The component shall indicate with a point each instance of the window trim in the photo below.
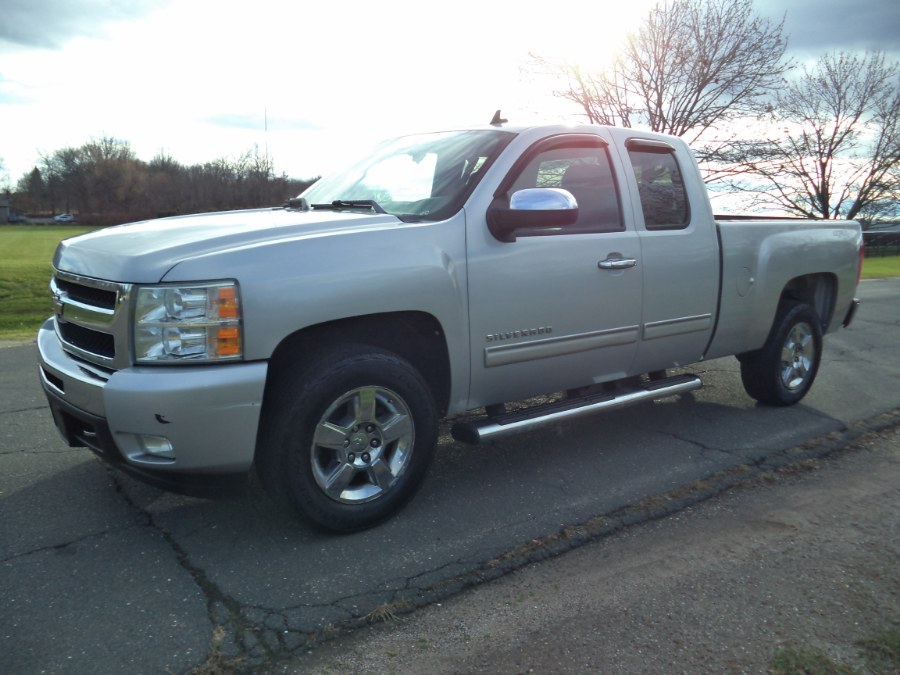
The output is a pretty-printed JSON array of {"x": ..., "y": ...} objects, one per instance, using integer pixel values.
[
  {"x": 649, "y": 145},
  {"x": 557, "y": 142},
  {"x": 657, "y": 147},
  {"x": 550, "y": 143}
]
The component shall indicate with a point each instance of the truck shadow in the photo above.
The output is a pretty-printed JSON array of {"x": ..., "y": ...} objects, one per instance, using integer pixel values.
[{"x": 561, "y": 474}]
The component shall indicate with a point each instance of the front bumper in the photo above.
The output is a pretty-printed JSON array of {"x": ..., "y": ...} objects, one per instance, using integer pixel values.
[{"x": 208, "y": 415}]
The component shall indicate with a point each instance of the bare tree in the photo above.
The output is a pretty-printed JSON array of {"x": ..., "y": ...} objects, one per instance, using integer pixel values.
[
  {"x": 691, "y": 67},
  {"x": 834, "y": 141}
]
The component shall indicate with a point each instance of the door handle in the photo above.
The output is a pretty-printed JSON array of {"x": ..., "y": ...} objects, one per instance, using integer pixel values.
[{"x": 616, "y": 263}]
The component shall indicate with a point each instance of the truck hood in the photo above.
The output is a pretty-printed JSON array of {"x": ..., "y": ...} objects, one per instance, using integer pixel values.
[{"x": 144, "y": 252}]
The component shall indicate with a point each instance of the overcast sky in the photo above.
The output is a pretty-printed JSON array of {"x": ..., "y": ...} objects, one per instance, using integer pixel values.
[{"x": 203, "y": 79}]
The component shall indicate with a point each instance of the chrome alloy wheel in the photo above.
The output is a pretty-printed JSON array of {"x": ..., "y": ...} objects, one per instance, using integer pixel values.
[
  {"x": 798, "y": 356},
  {"x": 362, "y": 445}
]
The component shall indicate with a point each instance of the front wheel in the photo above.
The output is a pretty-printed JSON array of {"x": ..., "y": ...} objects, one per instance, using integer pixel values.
[
  {"x": 348, "y": 440},
  {"x": 783, "y": 370}
]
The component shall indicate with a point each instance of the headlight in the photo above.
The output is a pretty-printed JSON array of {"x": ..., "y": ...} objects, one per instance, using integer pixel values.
[{"x": 193, "y": 323}]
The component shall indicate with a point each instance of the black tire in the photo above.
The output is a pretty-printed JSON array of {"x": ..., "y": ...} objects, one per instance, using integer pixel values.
[
  {"x": 347, "y": 439},
  {"x": 783, "y": 370}
]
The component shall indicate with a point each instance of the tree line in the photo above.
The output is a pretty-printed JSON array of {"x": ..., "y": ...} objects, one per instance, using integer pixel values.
[{"x": 105, "y": 183}]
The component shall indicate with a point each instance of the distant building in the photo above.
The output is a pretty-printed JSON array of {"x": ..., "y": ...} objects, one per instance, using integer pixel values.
[{"x": 4, "y": 209}]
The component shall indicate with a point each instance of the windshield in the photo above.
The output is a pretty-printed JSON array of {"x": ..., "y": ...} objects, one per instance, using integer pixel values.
[{"x": 421, "y": 177}]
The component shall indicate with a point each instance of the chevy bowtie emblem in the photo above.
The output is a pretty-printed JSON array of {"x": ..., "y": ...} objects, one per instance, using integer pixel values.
[{"x": 58, "y": 303}]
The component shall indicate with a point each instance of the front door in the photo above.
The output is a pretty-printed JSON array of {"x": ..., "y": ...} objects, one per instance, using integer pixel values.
[{"x": 558, "y": 307}]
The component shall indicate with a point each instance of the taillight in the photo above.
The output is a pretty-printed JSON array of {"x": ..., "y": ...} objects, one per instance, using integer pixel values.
[{"x": 862, "y": 255}]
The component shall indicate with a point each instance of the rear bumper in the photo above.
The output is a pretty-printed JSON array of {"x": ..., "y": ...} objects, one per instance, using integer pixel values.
[{"x": 207, "y": 415}]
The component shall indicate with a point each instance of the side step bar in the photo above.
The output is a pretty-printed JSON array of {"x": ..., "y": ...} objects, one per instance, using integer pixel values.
[{"x": 489, "y": 428}]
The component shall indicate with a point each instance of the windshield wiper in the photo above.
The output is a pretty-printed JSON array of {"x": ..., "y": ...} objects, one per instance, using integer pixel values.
[{"x": 339, "y": 204}]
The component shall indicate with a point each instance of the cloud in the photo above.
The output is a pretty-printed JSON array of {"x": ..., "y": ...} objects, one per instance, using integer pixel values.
[
  {"x": 50, "y": 24},
  {"x": 815, "y": 28}
]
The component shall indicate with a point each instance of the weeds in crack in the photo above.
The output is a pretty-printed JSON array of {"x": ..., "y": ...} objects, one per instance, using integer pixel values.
[
  {"x": 216, "y": 663},
  {"x": 386, "y": 613},
  {"x": 519, "y": 551}
]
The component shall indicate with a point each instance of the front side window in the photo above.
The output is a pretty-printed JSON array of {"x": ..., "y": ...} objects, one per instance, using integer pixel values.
[
  {"x": 661, "y": 188},
  {"x": 421, "y": 177},
  {"x": 586, "y": 173}
]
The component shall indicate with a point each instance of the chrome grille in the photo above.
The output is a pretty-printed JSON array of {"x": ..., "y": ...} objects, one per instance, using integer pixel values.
[
  {"x": 91, "y": 318},
  {"x": 97, "y": 297},
  {"x": 93, "y": 341}
]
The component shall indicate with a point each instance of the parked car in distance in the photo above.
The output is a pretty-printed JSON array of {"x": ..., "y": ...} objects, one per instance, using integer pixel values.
[{"x": 64, "y": 218}]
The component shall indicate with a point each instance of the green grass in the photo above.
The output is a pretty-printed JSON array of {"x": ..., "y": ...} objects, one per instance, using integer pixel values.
[
  {"x": 880, "y": 268},
  {"x": 26, "y": 252},
  {"x": 880, "y": 654},
  {"x": 882, "y": 651},
  {"x": 806, "y": 661}
]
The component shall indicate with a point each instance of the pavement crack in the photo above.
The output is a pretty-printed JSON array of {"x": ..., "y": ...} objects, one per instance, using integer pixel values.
[
  {"x": 68, "y": 547},
  {"x": 17, "y": 411},
  {"x": 690, "y": 441},
  {"x": 235, "y": 637},
  {"x": 34, "y": 451}
]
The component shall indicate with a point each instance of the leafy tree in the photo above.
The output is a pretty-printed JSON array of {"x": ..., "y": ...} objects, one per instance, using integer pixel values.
[
  {"x": 31, "y": 191},
  {"x": 833, "y": 148}
]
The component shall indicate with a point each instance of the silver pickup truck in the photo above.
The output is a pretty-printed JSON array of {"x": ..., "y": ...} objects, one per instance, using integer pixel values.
[{"x": 467, "y": 270}]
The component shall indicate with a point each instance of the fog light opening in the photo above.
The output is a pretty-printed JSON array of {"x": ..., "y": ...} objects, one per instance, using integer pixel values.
[{"x": 158, "y": 446}]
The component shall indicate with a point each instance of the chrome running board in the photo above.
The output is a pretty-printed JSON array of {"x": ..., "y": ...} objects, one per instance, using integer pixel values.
[{"x": 489, "y": 428}]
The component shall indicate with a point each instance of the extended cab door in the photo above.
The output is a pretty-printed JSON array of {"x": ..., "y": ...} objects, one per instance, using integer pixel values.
[
  {"x": 679, "y": 254},
  {"x": 559, "y": 306}
]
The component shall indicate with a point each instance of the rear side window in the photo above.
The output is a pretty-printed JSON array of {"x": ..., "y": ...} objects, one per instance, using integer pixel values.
[{"x": 661, "y": 188}]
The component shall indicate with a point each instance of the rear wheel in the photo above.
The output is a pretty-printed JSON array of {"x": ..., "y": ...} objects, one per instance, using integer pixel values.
[
  {"x": 783, "y": 370},
  {"x": 347, "y": 441}
]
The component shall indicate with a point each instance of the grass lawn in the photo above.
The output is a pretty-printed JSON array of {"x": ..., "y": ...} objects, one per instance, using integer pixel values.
[
  {"x": 880, "y": 268},
  {"x": 27, "y": 250}
]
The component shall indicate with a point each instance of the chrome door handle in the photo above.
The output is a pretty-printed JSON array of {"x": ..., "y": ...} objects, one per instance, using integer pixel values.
[{"x": 616, "y": 263}]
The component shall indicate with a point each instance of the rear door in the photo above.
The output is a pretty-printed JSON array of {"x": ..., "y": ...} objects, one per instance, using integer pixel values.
[{"x": 679, "y": 255}]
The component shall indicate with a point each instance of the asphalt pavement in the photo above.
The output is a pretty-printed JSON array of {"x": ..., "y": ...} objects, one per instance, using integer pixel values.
[
  {"x": 800, "y": 560},
  {"x": 103, "y": 574}
]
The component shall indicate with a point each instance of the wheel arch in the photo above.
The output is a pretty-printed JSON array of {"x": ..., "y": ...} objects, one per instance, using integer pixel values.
[
  {"x": 817, "y": 290},
  {"x": 417, "y": 337}
]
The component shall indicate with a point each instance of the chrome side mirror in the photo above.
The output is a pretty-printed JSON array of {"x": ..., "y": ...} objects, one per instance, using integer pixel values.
[{"x": 532, "y": 208}]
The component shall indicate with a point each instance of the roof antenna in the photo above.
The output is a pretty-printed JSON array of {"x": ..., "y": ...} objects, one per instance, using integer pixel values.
[{"x": 497, "y": 120}]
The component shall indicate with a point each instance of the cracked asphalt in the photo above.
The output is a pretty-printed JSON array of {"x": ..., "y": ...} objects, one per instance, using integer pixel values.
[{"x": 103, "y": 574}]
